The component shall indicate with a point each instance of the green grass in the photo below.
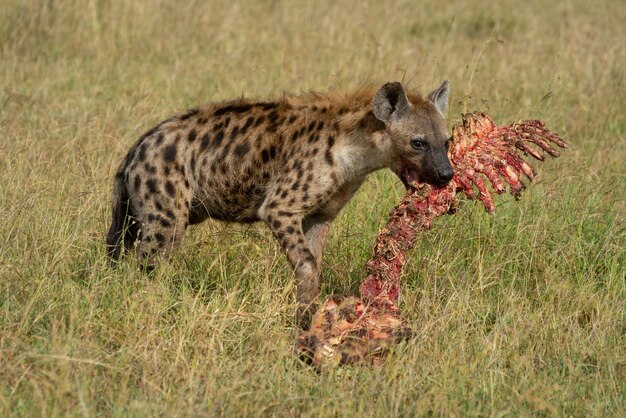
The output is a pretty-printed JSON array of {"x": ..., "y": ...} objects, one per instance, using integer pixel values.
[{"x": 521, "y": 313}]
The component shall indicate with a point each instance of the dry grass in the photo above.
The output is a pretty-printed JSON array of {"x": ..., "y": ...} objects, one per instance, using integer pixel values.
[{"x": 517, "y": 314}]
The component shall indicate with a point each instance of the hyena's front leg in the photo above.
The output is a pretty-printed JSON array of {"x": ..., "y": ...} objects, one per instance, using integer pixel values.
[
  {"x": 316, "y": 229},
  {"x": 317, "y": 225},
  {"x": 287, "y": 226}
]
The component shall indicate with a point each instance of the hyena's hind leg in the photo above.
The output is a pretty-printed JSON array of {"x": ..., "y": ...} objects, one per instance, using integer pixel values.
[{"x": 163, "y": 215}]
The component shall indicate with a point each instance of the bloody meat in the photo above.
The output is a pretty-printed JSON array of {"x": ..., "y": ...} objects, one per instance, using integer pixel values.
[{"x": 348, "y": 330}]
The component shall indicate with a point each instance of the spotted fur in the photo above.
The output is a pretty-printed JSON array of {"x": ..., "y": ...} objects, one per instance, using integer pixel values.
[{"x": 292, "y": 163}]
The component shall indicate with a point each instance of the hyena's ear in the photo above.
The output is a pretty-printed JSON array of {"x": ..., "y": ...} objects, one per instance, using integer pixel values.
[
  {"x": 390, "y": 100},
  {"x": 440, "y": 96}
]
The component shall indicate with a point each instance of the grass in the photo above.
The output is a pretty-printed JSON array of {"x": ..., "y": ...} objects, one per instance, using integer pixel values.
[{"x": 521, "y": 313}]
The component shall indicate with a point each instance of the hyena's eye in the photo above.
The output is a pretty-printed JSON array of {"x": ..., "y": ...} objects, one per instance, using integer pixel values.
[{"x": 418, "y": 144}]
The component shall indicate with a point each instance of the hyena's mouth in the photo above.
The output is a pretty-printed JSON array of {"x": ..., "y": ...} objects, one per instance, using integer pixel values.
[
  {"x": 414, "y": 177},
  {"x": 408, "y": 173},
  {"x": 410, "y": 177}
]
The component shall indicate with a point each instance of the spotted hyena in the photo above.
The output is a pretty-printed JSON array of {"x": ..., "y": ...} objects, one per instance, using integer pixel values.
[{"x": 292, "y": 163}]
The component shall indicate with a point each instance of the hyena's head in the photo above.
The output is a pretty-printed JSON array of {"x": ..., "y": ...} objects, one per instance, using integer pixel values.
[{"x": 417, "y": 132}]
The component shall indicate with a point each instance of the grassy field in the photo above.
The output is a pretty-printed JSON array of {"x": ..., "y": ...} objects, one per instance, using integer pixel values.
[{"x": 521, "y": 313}]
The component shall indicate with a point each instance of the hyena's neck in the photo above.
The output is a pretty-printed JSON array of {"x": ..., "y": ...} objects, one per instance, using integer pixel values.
[{"x": 362, "y": 145}]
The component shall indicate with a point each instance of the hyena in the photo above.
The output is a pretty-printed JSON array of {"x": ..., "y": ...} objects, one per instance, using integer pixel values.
[{"x": 292, "y": 163}]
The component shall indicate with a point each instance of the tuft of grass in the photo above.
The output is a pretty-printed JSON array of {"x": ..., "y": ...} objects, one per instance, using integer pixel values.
[{"x": 521, "y": 313}]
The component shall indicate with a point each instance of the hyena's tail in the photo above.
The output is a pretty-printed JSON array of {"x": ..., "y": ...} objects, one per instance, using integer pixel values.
[{"x": 123, "y": 232}]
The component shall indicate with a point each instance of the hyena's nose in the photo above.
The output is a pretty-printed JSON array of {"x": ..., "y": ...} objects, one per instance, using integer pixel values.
[{"x": 446, "y": 174}]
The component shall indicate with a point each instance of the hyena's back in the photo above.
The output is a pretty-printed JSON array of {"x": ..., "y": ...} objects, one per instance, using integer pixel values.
[{"x": 216, "y": 162}]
